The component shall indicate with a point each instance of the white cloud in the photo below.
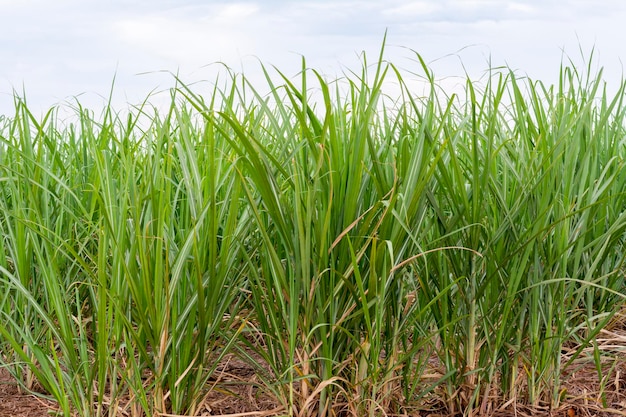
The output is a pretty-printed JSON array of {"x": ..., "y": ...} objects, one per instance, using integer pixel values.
[
  {"x": 236, "y": 11},
  {"x": 521, "y": 7},
  {"x": 193, "y": 36},
  {"x": 412, "y": 9},
  {"x": 58, "y": 49}
]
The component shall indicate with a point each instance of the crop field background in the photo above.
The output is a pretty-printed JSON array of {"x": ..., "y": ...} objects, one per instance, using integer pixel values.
[{"x": 356, "y": 253}]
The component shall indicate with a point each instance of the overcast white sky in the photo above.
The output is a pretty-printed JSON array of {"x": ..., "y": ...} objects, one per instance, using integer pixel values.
[{"x": 56, "y": 50}]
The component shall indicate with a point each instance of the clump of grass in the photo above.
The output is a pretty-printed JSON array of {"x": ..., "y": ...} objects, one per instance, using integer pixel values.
[
  {"x": 119, "y": 251},
  {"x": 373, "y": 253}
]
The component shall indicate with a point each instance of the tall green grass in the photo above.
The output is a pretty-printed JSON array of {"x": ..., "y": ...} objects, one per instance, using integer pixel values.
[
  {"x": 366, "y": 254},
  {"x": 121, "y": 246}
]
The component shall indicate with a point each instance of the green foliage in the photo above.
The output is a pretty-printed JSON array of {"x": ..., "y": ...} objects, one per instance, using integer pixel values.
[{"x": 373, "y": 254}]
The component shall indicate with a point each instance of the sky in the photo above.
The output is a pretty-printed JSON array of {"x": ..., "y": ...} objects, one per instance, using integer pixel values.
[{"x": 57, "y": 52}]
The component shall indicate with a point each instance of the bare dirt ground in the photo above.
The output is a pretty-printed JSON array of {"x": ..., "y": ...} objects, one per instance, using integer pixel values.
[
  {"x": 236, "y": 394},
  {"x": 14, "y": 403}
]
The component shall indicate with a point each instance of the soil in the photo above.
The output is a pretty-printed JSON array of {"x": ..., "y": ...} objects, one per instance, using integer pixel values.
[
  {"x": 15, "y": 403},
  {"x": 236, "y": 393}
]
